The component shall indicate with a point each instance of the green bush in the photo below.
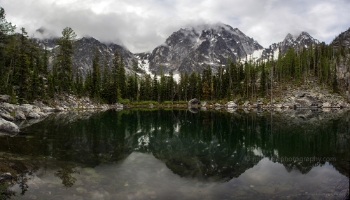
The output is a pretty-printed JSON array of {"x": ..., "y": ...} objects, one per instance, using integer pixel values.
[
  {"x": 144, "y": 103},
  {"x": 123, "y": 101}
]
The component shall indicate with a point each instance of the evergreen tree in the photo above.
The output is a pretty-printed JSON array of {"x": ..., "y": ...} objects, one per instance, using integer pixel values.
[
  {"x": 170, "y": 87},
  {"x": 23, "y": 72},
  {"x": 64, "y": 60},
  {"x": 6, "y": 35},
  {"x": 263, "y": 80},
  {"x": 155, "y": 89},
  {"x": 122, "y": 78},
  {"x": 192, "y": 86},
  {"x": 162, "y": 86},
  {"x": 132, "y": 89},
  {"x": 96, "y": 77}
]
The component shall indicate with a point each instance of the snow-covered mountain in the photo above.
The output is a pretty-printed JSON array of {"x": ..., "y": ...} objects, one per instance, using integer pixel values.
[
  {"x": 186, "y": 50},
  {"x": 304, "y": 39},
  {"x": 192, "y": 49},
  {"x": 84, "y": 52}
]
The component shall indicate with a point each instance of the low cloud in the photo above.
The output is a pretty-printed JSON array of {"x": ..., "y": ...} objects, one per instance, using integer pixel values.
[{"x": 141, "y": 25}]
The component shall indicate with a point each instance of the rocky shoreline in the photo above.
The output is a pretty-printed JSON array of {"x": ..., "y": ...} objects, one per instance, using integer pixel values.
[
  {"x": 12, "y": 114},
  {"x": 297, "y": 98}
]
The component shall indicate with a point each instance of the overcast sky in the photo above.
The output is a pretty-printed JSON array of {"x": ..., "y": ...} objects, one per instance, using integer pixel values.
[{"x": 141, "y": 25}]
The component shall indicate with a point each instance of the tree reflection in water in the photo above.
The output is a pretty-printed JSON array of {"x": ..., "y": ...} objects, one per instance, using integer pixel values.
[{"x": 208, "y": 146}]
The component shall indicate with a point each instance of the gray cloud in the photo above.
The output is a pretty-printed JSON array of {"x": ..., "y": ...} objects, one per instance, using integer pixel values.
[{"x": 141, "y": 25}]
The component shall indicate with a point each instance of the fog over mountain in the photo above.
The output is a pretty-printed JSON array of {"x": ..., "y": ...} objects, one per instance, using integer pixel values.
[
  {"x": 185, "y": 50},
  {"x": 142, "y": 25}
]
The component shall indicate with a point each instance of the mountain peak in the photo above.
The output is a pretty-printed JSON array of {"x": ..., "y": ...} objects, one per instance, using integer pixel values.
[
  {"x": 303, "y": 40},
  {"x": 289, "y": 37},
  {"x": 305, "y": 33},
  {"x": 193, "y": 48}
]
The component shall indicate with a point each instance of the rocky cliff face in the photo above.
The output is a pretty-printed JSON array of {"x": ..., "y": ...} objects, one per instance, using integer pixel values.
[
  {"x": 303, "y": 40},
  {"x": 192, "y": 49},
  {"x": 84, "y": 51},
  {"x": 342, "y": 39},
  {"x": 343, "y": 72}
]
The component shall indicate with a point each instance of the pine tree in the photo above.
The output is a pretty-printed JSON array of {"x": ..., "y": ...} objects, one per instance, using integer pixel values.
[
  {"x": 199, "y": 86},
  {"x": 23, "y": 73},
  {"x": 155, "y": 89},
  {"x": 132, "y": 88},
  {"x": 64, "y": 60},
  {"x": 171, "y": 87},
  {"x": 106, "y": 82},
  {"x": 192, "y": 86},
  {"x": 96, "y": 77},
  {"x": 122, "y": 78},
  {"x": 115, "y": 82},
  {"x": 6, "y": 64},
  {"x": 263, "y": 80},
  {"x": 162, "y": 86}
]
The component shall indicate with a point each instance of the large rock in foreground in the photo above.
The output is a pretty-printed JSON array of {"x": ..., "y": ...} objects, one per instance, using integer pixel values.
[{"x": 8, "y": 127}]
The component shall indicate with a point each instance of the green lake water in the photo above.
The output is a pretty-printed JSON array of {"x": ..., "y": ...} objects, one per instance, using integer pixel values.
[{"x": 178, "y": 154}]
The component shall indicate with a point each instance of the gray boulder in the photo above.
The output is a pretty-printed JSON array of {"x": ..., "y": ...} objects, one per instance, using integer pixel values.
[
  {"x": 8, "y": 127},
  {"x": 25, "y": 108},
  {"x": 8, "y": 107},
  {"x": 4, "y": 98},
  {"x": 231, "y": 105},
  {"x": 277, "y": 105},
  {"x": 33, "y": 115},
  {"x": 326, "y": 105},
  {"x": 246, "y": 104},
  {"x": 217, "y": 105},
  {"x": 59, "y": 109},
  {"x": 6, "y": 176},
  {"x": 193, "y": 102},
  {"x": 39, "y": 104},
  {"x": 47, "y": 109},
  {"x": 19, "y": 115},
  {"x": 6, "y": 116},
  {"x": 119, "y": 105}
]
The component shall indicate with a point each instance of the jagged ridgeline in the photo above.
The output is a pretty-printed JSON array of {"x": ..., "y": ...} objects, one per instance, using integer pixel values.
[{"x": 210, "y": 62}]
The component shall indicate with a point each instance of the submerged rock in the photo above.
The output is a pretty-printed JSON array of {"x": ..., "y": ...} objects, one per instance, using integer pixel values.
[
  {"x": 193, "y": 110},
  {"x": 6, "y": 176}
]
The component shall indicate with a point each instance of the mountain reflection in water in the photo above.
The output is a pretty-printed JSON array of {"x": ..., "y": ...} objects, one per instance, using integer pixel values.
[{"x": 177, "y": 152}]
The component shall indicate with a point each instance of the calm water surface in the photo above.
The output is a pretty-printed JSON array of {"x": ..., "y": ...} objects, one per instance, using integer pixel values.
[{"x": 177, "y": 154}]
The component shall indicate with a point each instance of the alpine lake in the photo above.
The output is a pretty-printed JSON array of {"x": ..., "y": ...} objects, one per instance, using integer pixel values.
[{"x": 180, "y": 154}]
